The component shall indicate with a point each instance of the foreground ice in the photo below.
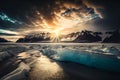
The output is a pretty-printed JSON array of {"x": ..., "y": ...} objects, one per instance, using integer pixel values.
[
  {"x": 98, "y": 56},
  {"x": 7, "y": 51},
  {"x": 17, "y": 74},
  {"x": 25, "y": 60},
  {"x": 102, "y": 57}
]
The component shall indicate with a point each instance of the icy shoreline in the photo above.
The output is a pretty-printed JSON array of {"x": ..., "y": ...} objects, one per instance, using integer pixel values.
[{"x": 104, "y": 57}]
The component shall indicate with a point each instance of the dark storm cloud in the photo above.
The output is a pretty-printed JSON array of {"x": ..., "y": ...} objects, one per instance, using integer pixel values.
[
  {"x": 87, "y": 10},
  {"x": 24, "y": 10},
  {"x": 110, "y": 12}
]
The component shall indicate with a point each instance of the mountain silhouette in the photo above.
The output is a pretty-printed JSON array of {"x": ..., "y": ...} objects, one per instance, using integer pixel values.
[
  {"x": 84, "y": 36},
  {"x": 114, "y": 38},
  {"x": 3, "y": 40},
  {"x": 88, "y": 36},
  {"x": 35, "y": 37}
]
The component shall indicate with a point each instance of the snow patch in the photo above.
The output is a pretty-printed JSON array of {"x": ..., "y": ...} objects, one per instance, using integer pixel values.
[{"x": 18, "y": 74}]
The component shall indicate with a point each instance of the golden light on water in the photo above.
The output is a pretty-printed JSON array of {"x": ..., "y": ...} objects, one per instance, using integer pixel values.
[{"x": 45, "y": 68}]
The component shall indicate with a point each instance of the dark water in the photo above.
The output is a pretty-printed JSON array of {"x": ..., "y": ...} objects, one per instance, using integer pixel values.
[
  {"x": 46, "y": 69},
  {"x": 69, "y": 71}
]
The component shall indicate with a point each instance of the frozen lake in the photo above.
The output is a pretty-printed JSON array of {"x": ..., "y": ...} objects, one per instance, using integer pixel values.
[{"x": 59, "y": 61}]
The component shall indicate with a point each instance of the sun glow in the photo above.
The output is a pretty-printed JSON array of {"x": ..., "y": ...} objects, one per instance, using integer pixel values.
[
  {"x": 55, "y": 37},
  {"x": 63, "y": 22},
  {"x": 57, "y": 33}
]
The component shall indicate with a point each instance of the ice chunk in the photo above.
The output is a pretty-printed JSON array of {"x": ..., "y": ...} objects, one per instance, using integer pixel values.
[
  {"x": 17, "y": 74},
  {"x": 4, "y": 55},
  {"x": 108, "y": 62},
  {"x": 9, "y": 51},
  {"x": 111, "y": 50},
  {"x": 91, "y": 57}
]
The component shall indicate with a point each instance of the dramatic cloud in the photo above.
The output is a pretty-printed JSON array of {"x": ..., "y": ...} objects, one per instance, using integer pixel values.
[
  {"x": 66, "y": 16},
  {"x": 59, "y": 15}
]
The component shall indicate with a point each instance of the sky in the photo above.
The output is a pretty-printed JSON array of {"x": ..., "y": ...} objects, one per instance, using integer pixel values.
[{"x": 20, "y": 17}]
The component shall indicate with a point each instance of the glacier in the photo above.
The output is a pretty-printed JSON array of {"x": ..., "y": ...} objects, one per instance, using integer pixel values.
[{"x": 102, "y": 57}]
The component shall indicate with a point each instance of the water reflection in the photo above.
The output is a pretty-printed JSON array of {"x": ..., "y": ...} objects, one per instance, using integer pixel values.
[{"x": 46, "y": 69}]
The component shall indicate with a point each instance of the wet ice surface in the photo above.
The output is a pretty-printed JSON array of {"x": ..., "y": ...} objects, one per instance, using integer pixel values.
[{"x": 60, "y": 61}]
